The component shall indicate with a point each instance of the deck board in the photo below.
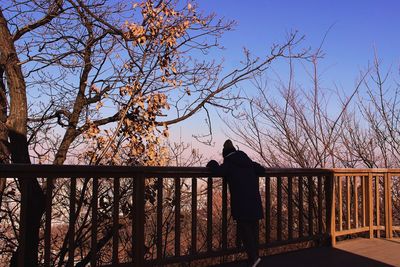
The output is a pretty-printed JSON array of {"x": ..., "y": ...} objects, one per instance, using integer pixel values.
[{"x": 357, "y": 252}]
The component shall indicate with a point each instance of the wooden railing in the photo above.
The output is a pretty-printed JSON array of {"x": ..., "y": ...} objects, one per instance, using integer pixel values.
[
  {"x": 362, "y": 201},
  {"x": 146, "y": 216}
]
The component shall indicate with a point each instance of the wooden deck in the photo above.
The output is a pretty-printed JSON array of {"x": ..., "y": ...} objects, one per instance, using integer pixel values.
[{"x": 352, "y": 253}]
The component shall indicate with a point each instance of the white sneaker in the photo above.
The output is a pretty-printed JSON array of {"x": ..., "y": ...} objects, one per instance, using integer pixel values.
[{"x": 256, "y": 262}]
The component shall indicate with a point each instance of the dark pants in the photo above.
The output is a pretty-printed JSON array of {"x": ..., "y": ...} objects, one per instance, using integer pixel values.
[{"x": 248, "y": 234}]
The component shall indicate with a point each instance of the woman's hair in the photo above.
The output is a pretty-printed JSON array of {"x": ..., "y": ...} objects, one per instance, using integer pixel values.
[{"x": 228, "y": 148}]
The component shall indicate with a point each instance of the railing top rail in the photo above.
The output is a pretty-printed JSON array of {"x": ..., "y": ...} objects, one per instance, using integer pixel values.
[
  {"x": 366, "y": 171},
  {"x": 27, "y": 170}
]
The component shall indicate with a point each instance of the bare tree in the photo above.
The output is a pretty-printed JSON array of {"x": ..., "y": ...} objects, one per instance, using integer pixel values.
[
  {"x": 292, "y": 125},
  {"x": 75, "y": 72}
]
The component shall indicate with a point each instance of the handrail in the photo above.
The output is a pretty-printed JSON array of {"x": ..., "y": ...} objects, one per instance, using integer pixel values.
[
  {"x": 47, "y": 170},
  {"x": 372, "y": 170}
]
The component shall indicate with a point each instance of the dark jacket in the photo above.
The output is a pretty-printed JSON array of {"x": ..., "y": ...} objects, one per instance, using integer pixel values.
[{"x": 242, "y": 177}]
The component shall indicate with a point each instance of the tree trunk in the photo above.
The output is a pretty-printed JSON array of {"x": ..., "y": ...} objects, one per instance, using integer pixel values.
[
  {"x": 4, "y": 152},
  {"x": 32, "y": 197},
  {"x": 4, "y": 145}
]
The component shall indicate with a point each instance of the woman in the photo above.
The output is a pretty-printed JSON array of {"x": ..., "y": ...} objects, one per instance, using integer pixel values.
[{"x": 242, "y": 178}]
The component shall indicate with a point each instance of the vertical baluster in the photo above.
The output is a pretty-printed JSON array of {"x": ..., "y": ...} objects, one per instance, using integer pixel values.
[
  {"x": 301, "y": 209},
  {"x": 115, "y": 225},
  {"x": 224, "y": 214},
  {"x": 267, "y": 209},
  {"x": 330, "y": 200},
  {"x": 138, "y": 221},
  {"x": 386, "y": 203},
  {"x": 209, "y": 213},
  {"x": 377, "y": 201},
  {"x": 279, "y": 208},
  {"x": 340, "y": 204},
  {"x": 194, "y": 216},
  {"x": 237, "y": 239},
  {"x": 370, "y": 207},
  {"x": 364, "y": 200},
  {"x": 320, "y": 208},
  {"x": 177, "y": 217},
  {"x": 355, "y": 201},
  {"x": 95, "y": 194},
  {"x": 47, "y": 230},
  {"x": 160, "y": 186},
  {"x": 72, "y": 219},
  {"x": 348, "y": 200},
  {"x": 389, "y": 205},
  {"x": 310, "y": 205},
  {"x": 258, "y": 223},
  {"x": 290, "y": 207},
  {"x": 24, "y": 220}
]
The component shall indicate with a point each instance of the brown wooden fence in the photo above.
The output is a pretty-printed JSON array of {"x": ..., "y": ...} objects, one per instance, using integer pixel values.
[
  {"x": 297, "y": 203},
  {"x": 363, "y": 202}
]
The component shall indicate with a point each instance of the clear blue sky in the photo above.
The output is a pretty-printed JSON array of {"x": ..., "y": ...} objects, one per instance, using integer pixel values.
[{"x": 359, "y": 27}]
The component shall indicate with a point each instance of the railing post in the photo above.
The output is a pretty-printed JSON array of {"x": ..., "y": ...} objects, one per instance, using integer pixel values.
[
  {"x": 177, "y": 227},
  {"x": 320, "y": 209},
  {"x": 377, "y": 207},
  {"x": 388, "y": 205},
  {"x": 301, "y": 207},
  {"x": 209, "y": 213},
  {"x": 370, "y": 207},
  {"x": 340, "y": 202},
  {"x": 71, "y": 226},
  {"x": 23, "y": 221},
  {"x": 355, "y": 201},
  {"x": 348, "y": 203},
  {"x": 160, "y": 186},
  {"x": 310, "y": 205},
  {"x": 267, "y": 209},
  {"x": 330, "y": 206},
  {"x": 115, "y": 220},
  {"x": 364, "y": 201},
  {"x": 95, "y": 194},
  {"x": 47, "y": 232},
  {"x": 290, "y": 207},
  {"x": 194, "y": 217},
  {"x": 138, "y": 221},
  {"x": 279, "y": 208},
  {"x": 32, "y": 208},
  {"x": 224, "y": 214}
]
